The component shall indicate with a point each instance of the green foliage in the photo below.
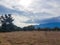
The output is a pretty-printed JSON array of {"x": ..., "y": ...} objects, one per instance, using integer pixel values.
[
  {"x": 28, "y": 28},
  {"x": 7, "y": 24}
]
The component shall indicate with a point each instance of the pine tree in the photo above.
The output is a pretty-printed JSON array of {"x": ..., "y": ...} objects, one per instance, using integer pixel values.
[{"x": 6, "y": 21}]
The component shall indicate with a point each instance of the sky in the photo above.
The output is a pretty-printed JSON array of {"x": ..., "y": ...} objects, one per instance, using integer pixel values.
[{"x": 30, "y": 12}]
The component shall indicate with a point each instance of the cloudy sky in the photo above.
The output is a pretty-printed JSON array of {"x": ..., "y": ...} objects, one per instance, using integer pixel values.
[{"x": 30, "y": 12}]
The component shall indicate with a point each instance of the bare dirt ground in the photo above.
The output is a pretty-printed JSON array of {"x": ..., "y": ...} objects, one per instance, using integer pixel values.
[{"x": 30, "y": 38}]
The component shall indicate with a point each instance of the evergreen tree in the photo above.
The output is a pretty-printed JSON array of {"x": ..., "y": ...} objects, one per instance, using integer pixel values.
[{"x": 6, "y": 21}]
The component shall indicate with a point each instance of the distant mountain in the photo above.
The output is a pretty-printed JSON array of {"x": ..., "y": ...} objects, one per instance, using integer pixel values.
[{"x": 49, "y": 23}]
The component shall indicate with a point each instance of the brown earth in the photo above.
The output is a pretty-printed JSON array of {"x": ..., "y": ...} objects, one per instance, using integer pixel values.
[{"x": 30, "y": 38}]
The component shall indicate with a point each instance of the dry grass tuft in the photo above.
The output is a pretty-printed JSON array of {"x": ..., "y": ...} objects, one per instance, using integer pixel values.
[{"x": 30, "y": 38}]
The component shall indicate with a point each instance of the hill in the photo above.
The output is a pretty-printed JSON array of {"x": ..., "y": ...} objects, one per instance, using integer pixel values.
[{"x": 49, "y": 23}]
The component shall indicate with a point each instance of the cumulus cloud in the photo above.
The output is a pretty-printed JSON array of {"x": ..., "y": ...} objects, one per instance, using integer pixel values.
[
  {"x": 33, "y": 13},
  {"x": 21, "y": 21}
]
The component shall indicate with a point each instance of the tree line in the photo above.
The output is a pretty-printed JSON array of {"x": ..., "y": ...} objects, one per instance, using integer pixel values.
[{"x": 7, "y": 25}]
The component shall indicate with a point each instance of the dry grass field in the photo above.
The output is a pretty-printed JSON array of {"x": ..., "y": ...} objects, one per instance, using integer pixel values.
[{"x": 30, "y": 38}]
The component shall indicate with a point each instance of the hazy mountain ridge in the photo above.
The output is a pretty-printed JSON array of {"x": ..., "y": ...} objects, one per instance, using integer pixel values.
[{"x": 49, "y": 23}]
